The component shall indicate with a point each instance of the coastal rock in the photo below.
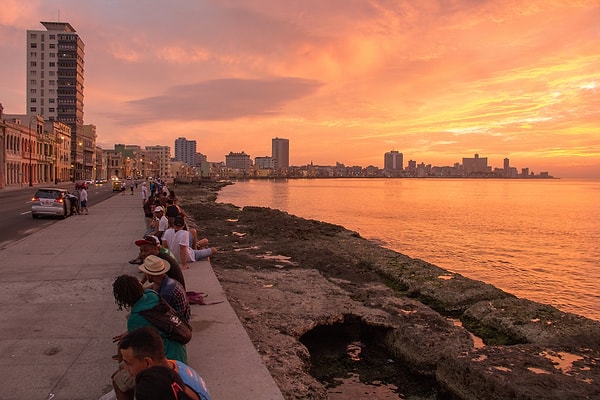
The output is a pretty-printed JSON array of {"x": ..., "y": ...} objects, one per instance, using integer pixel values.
[{"x": 286, "y": 276}]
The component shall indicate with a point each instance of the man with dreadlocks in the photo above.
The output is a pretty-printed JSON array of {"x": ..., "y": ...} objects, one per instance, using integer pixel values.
[{"x": 130, "y": 295}]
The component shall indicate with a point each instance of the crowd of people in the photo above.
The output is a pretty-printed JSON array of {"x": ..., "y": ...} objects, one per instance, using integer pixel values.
[{"x": 152, "y": 364}]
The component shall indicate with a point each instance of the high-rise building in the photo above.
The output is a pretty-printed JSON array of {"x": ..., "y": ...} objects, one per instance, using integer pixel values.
[
  {"x": 280, "y": 151},
  {"x": 393, "y": 161},
  {"x": 55, "y": 67},
  {"x": 185, "y": 151}
]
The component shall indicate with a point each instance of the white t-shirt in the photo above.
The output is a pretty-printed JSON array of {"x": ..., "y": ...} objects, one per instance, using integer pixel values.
[
  {"x": 175, "y": 239},
  {"x": 163, "y": 224}
]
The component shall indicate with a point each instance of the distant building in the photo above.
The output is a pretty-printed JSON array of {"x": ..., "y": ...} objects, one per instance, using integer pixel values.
[
  {"x": 239, "y": 161},
  {"x": 55, "y": 67},
  {"x": 265, "y": 162},
  {"x": 200, "y": 159},
  {"x": 280, "y": 151},
  {"x": 88, "y": 142},
  {"x": 185, "y": 151},
  {"x": 393, "y": 161},
  {"x": 114, "y": 164},
  {"x": 475, "y": 166},
  {"x": 157, "y": 161}
]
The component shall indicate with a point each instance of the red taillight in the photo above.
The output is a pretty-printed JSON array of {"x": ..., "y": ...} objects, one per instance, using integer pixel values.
[
  {"x": 35, "y": 199},
  {"x": 58, "y": 200}
]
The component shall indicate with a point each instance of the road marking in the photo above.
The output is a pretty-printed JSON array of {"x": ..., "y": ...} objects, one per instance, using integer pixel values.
[{"x": 26, "y": 212}]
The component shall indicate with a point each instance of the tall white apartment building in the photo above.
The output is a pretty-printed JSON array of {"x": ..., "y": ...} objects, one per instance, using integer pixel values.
[
  {"x": 55, "y": 69},
  {"x": 157, "y": 160},
  {"x": 185, "y": 150},
  {"x": 280, "y": 151}
]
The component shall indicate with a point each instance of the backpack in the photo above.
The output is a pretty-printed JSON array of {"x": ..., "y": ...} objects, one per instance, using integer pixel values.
[{"x": 163, "y": 317}]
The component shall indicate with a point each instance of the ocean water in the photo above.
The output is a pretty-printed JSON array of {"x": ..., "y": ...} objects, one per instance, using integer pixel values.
[{"x": 536, "y": 239}]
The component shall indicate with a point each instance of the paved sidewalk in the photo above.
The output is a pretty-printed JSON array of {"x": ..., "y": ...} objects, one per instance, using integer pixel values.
[{"x": 59, "y": 315}]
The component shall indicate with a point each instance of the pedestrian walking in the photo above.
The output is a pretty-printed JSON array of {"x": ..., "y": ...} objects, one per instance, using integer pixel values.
[{"x": 83, "y": 198}]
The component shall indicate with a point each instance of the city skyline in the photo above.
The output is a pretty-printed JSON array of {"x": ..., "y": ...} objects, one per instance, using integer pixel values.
[{"x": 343, "y": 81}]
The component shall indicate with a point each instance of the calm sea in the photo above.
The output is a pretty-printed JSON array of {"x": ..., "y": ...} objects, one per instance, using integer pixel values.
[{"x": 536, "y": 239}]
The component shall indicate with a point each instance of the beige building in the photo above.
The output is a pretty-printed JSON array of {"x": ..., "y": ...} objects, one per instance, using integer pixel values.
[
  {"x": 157, "y": 161},
  {"x": 61, "y": 135}
]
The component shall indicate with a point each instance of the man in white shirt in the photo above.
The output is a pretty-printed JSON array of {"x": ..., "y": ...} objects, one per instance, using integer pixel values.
[
  {"x": 161, "y": 222},
  {"x": 177, "y": 240}
]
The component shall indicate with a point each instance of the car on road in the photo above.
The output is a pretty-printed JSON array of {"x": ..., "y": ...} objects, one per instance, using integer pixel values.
[
  {"x": 116, "y": 186},
  {"x": 51, "y": 202}
]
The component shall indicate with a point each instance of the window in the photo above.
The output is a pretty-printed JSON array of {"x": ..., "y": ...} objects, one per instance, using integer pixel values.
[
  {"x": 51, "y": 109},
  {"x": 52, "y": 37},
  {"x": 33, "y": 100},
  {"x": 32, "y": 109},
  {"x": 33, "y": 73},
  {"x": 52, "y": 64},
  {"x": 33, "y": 91},
  {"x": 33, "y": 82},
  {"x": 51, "y": 46},
  {"x": 51, "y": 100},
  {"x": 33, "y": 36},
  {"x": 33, "y": 45},
  {"x": 52, "y": 55},
  {"x": 33, "y": 54}
]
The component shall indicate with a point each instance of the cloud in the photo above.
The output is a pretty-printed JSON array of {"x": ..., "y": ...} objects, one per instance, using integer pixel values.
[{"x": 219, "y": 99}]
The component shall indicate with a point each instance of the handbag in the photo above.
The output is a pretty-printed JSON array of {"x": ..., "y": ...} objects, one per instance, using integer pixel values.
[{"x": 163, "y": 317}]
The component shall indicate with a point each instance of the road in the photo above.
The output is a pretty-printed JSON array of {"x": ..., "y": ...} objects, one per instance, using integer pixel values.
[{"x": 15, "y": 212}]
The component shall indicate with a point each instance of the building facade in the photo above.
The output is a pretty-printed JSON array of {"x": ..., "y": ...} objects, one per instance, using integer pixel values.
[
  {"x": 185, "y": 151},
  {"x": 393, "y": 161},
  {"x": 476, "y": 166},
  {"x": 157, "y": 161},
  {"x": 280, "y": 151},
  {"x": 240, "y": 161},
  {"x": 55, "y": 82}
]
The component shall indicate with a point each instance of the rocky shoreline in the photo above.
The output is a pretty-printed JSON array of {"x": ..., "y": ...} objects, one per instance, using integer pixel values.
[{"x": 287, "y": 276}]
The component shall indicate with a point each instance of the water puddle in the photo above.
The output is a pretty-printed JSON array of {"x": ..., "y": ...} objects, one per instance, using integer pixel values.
[
  {"x": 477, "y": 341},
  {"x": 350, "y": 360}
]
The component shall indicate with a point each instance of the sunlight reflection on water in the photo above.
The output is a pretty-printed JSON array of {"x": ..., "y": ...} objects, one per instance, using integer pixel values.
[{"x": 537, "y": 239}]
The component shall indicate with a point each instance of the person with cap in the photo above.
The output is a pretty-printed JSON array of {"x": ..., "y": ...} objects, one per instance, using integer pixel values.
[
  {"x": 177, "y": 240},
  {"x": 150, "y": 246},
  {"x": 155, "y": 269},
  {"x": 161, "y": 222}
]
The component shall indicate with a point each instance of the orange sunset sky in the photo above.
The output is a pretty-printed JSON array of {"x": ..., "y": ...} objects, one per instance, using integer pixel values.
[{"x": 344, "y": 80}]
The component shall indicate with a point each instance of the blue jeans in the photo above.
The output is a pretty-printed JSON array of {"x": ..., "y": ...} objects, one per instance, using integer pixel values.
[{"x": 201, "y": 254}]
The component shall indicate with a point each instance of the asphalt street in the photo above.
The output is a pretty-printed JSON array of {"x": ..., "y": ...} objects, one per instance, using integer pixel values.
[{"x": 15, "y": 212}]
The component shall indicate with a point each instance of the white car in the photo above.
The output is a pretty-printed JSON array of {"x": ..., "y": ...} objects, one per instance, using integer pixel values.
[{"x": 51, "y": 202}]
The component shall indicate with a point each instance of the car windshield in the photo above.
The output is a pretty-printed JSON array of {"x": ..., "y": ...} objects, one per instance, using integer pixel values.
[{"x": 48, "y": 194}]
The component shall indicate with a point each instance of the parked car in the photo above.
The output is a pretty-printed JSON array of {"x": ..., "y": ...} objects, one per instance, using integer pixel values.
[{"x": 50, "y": 202}]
